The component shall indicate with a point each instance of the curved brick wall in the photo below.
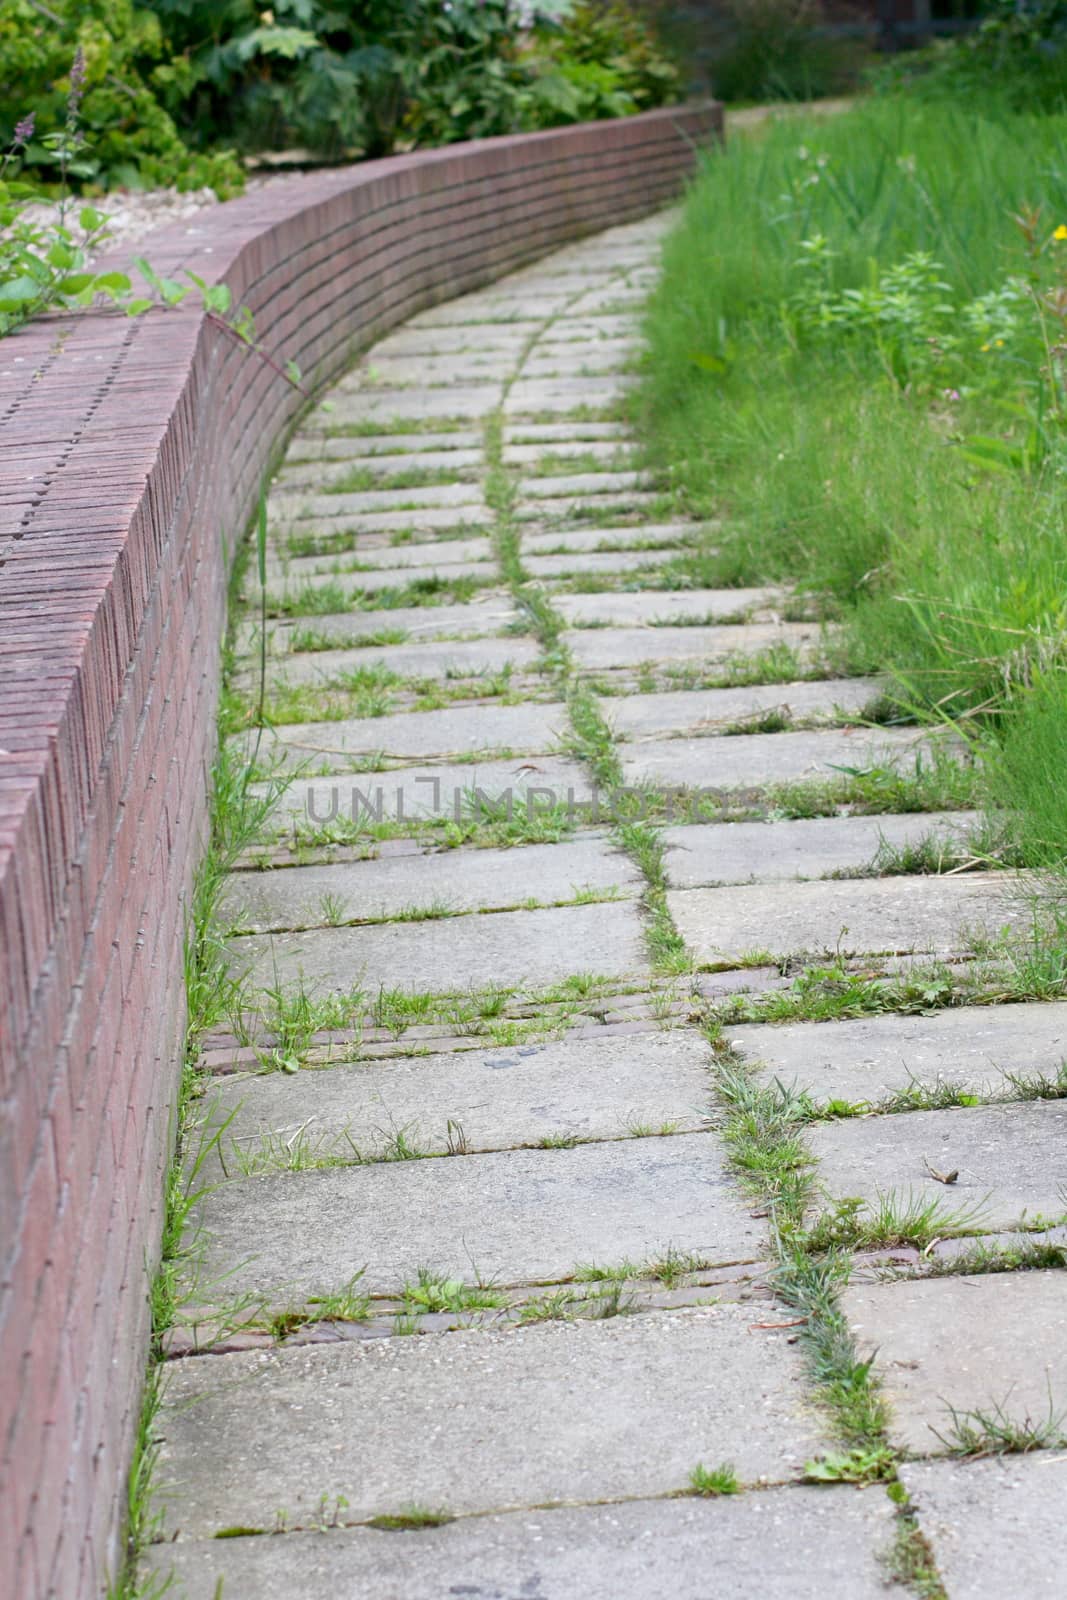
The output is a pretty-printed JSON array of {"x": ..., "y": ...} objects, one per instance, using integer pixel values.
[{"x": 132, "y": 457}]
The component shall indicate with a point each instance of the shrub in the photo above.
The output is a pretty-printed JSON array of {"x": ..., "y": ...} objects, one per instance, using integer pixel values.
[
  {"x": 778, "y": 50},
  {"x": 1018, "y": 56},
  {"x": 601, "y": 61},
  {"x": 130, "y": 137}
]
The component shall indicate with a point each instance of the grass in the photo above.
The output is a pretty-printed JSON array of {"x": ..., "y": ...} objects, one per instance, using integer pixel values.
[
  {"x": 892, "y": 1218},
  {"x": 908, "y": 477},
  {"x": 994, "y": 1431},
  {"x": 714, "y": 1481},
  {"x": 410, "y": 1518}
]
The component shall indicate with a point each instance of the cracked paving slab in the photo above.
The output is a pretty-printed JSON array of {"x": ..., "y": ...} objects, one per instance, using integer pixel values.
[
  {"x": 456, "y": 880},
  {"x": 531, "y": 729},
  {"x": 714, "y": 763},
  {"x": 521, "y": 949},
  {"x": 702, "y": 711},
  {"x": 995, "y": 1526},
  {"x": 516, "y": 1216},
  {"x": 778, "y": 1543},
  {"x": 976, "y": 1048},
  {"x": 1008, "y": 1160},
  {"x": 964, "y": 1344},
  {"x": 473, "y": 791},
  {"x": 632, "y": 647},
  {"x": 489, "y": 615},
  {"x": 869, "y": 916},
  {"x": 491, "y": 1420},
  {"x": 710, "y": 854},
  {"x": 492, "y": 1098},
  {"x": 443, "y": 658}
]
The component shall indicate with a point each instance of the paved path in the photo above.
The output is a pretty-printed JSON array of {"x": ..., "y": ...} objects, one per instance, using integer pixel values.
[{"x": 576, "y": 850}]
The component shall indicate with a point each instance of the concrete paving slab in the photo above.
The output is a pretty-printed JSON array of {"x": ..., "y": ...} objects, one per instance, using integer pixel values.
[
  {"x": 631, "y": 647},
  {"x": 584, "y": 328},
  {"x": 393, "y": 369},
  {"x": 381, "y": 447},
  {"x": 582, "y": 484},
  {"x": 562, "y": 508},
  {"x": 508, "y": 1217},
  {"x": 661, "y": 605},
  {"x": 639, "y": 536},
  {"x": 564, "y": 394},
  {"x": 525, "y": 949},
  {"x": 576, "y": 563},
  {"x": 488, "y": 614},
  {"x": 285, "y": 506},
  {"x": 995, "y": 1526},
  {"x": 400, "y": 406},
  {"x": 313, "y": 476},
  {"x": 456, "y": 730},
  {"x": 782, "y": 1544},
  {"x": 462, "y": 880},
  {"x": 516, "y": 1095},
  {"x": 759, "y": 759},
  {"x": 870, "y": 1058},
  {"x": 760, "y": 852},
  {"x": 583, "y": 1411},
  {"x": 416, "y": 340},
  {"x": 552, "y": 434},
  {"x": 614, "y": 453},
  {"x": 376, "y": 578},
  {"x": 456, "y": 791},
  {"x": 442, "y": 658},
  {"x": 527, "y": 310},
  {"x": 964, "y": 1343},
  {"x": 701, "y": 711},
  {"x": 1009, "y": 1159},
  {"x": 335, "y": 566},
  {"x": 590, "y": 359},
  {"x": 883, "y": 916}
]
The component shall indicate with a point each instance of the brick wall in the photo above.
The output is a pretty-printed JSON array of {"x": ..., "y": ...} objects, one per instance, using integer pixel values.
[{"x": 132, "y": 458}]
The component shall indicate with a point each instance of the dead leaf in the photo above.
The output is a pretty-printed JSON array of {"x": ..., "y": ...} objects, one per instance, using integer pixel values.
[{"x": 942, "y": 1177}]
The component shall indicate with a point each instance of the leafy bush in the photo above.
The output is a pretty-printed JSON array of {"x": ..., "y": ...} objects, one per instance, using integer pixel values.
[
  {"x": 130, "y": 139},
  {"x": 169, "y": 82},
  {"x": 776, "y": 50},
  {"x": 601, "y": 61},
  {"x": 372, "y": 74},
  {"x": 1018, "y": 56}
]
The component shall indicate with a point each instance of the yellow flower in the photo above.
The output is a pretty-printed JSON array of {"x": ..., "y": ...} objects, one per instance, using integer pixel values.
[
  {"x": 985, "y": 347},
  {"x": 1061, "y": 231},
  {"x": 1000, "y": 344}
]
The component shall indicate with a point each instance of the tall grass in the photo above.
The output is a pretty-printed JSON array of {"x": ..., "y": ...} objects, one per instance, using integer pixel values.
[{"x": 916, "y": 479}]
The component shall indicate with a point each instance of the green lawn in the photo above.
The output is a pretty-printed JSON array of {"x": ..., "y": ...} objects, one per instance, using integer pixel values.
[{"x": 854, "y": 362}]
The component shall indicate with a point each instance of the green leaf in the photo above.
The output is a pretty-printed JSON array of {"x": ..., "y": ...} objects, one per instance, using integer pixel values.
[
  {"x": 91, "y": 219},
  {"x": 216, "y": 298},
  {"x": 75, "y": 282},
  {"x": 113, "y": 282},
  {"x": 147, "y": 271},
  {"x": 62, "y": 256},
  {"x": 17, "y": 291},
  {"x": 134, "y": 308},
  {"x": 292, "y": 372}
]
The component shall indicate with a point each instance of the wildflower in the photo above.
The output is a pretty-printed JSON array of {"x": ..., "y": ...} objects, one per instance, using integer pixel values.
[
  {"x": 23, "y": 131},
  {"x": 951, "y": 394},
  {"x": 1061, "y": 231},
  {"x": 77, "y": 84},
  {"x": 986, "y": 347},
  {"x": 1000, "y": 344}
]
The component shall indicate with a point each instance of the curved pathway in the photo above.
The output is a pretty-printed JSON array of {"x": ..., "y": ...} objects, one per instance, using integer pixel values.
[{"x": 562, "y": 857}]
